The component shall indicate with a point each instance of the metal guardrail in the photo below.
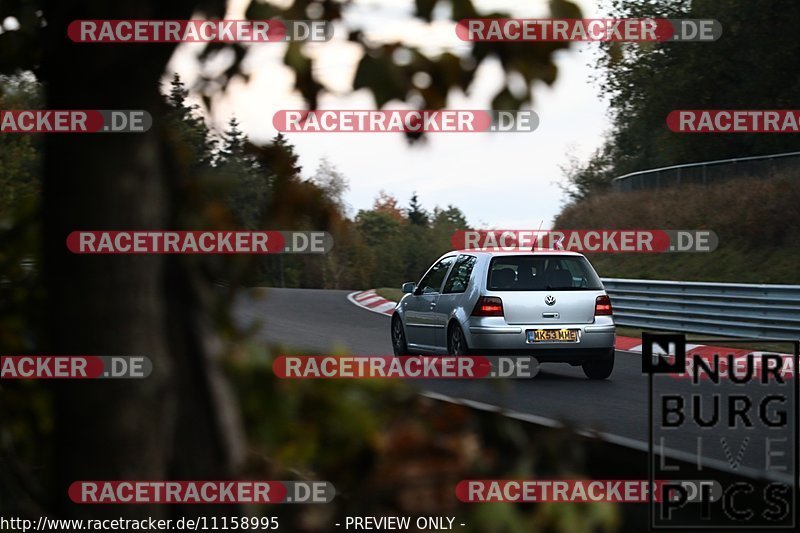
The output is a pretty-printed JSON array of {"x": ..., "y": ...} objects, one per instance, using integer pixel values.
[
  {"x": 708, "y": 172},
  {"x": 724, "y": 309}
]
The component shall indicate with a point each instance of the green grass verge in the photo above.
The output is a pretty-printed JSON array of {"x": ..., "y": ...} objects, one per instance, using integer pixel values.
[
  {"x": 756, "y": 220},
  {"x": 390, "y": 293}
]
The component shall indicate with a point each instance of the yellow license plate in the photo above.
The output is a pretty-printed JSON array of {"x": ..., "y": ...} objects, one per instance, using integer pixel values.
[{"x": 553, "y": 335}]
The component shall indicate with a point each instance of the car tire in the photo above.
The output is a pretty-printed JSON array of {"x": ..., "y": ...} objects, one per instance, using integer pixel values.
[
  {"x": 600, "y": 368},
  {"x": 456, "y": 341},
  {"x": 399, "y": 344}
]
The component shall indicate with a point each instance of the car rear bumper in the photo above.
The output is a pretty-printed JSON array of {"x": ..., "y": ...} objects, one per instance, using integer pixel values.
[{"x": 489, "y": 335}]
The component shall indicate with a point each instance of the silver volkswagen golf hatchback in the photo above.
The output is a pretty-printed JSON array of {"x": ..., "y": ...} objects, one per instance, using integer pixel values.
[{"x": 550, "y": 305}]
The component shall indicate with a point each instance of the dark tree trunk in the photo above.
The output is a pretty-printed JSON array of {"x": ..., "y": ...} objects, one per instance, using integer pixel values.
[{"x": 169, "y": 425}]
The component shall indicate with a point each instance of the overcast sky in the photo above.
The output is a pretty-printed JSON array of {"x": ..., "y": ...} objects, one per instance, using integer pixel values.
[{"x": 500, "y": 180}]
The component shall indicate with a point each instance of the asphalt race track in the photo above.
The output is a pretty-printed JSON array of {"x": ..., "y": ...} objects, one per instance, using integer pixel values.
[{"x": 320, "y": 321}]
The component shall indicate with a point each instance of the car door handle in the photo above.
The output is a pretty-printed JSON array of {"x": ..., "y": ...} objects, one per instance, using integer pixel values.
[
  {"x": 550, "y": 315},
  {"x": 433, "y": 304}
]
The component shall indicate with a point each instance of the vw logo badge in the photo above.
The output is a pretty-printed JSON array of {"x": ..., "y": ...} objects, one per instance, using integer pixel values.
[{"x": 549, "y": 300}]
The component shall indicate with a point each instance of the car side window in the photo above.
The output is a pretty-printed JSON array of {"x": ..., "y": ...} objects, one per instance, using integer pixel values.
[
  {"x": 458, "y": 279},
  {"x": 432, "y": 281}
]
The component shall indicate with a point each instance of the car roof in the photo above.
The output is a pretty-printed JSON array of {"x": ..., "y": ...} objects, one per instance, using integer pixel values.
[{"x": 492, "y": 253}]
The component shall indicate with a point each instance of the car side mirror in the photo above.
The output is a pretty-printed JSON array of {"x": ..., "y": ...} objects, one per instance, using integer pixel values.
[{"x": 409, "y": 287}]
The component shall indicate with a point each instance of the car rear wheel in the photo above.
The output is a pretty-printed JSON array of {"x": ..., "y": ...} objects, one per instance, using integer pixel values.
[
  {"x": 398, "y": 337},
  {"x": 601, "y": 367},
  {"x": 456, "y": 342}
]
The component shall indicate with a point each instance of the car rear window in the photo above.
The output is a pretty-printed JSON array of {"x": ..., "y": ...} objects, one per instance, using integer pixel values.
[{"x": 541, "y": 273}]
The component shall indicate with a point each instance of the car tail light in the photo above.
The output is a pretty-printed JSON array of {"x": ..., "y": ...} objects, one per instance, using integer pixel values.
[
  {"x": 488, "y": 306},
  {"x": 602, "y": 306}
]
